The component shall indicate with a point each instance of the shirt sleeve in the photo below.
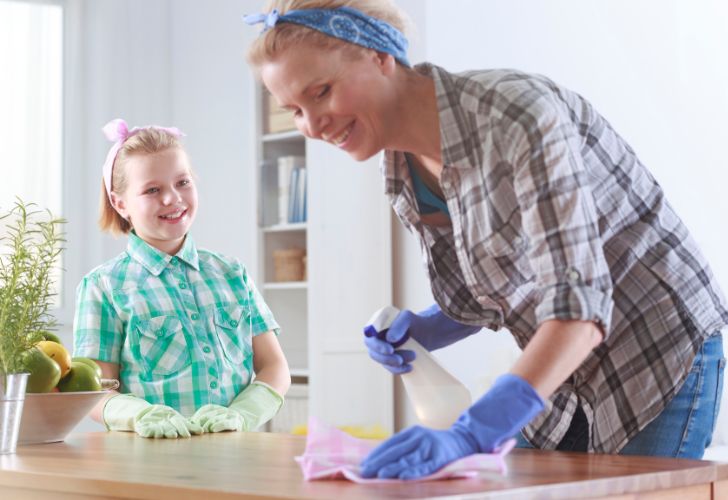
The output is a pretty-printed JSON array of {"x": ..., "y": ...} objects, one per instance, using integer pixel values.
[
  {"x": 97, "y": 330},
  {"x": 559, "y": 216},
  {"x": 261, "y": 317}
]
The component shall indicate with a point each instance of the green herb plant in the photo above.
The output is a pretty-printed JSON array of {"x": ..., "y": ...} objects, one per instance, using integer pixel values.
[{"x": 28, "y": 252}]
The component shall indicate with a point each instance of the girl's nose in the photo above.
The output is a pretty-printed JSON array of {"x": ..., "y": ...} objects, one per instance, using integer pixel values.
[{"x": 171, "y": 196}]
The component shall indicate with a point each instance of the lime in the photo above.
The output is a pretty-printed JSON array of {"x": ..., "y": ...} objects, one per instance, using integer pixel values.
[
  {"x": 91, "y": 363},
  {"x": 81, "y": 379},
  {"x": 52, "y": 336},
  {"x": 57, "y": 353},
  {"x": 44, "y": 372}
]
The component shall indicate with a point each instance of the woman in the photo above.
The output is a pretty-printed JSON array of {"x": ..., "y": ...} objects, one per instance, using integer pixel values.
[{"x": 534, "y": 215}]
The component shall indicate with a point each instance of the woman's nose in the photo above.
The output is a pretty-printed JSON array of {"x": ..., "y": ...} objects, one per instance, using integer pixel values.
[{"x": 316, "y": 123}]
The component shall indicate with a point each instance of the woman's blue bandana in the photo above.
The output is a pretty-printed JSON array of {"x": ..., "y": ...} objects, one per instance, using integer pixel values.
[{"x": 344, "y": 23}]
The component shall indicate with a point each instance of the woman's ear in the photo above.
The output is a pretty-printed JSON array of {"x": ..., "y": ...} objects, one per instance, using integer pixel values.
[
  {"x": 386, "y": 62},
  {"x": 118, "y": 203}
]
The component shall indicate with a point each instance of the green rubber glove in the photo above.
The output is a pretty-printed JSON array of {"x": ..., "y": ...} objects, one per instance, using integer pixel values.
[
  {"x": 129, "y": 413},
  {"x": 250, "y": 409},
  {"x": 216, "y": 418}
]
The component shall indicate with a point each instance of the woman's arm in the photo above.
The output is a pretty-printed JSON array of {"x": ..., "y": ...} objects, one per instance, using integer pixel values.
[
  {"x": 556, "y": 350},
  {"x": 108, "y": 370},
  {"x": 270, "y": 363}
]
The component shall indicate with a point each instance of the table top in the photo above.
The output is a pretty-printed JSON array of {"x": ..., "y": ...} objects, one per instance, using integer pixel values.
[{"x": 261, "y": 465}]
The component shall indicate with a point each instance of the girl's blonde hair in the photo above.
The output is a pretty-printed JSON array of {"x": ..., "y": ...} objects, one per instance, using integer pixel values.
[
  {"x": 284, "y": 35},
  {"x": 145, "y": 141}
]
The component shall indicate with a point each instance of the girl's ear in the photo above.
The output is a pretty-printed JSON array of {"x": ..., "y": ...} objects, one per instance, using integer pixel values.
[{"x": 118, "y": 203}]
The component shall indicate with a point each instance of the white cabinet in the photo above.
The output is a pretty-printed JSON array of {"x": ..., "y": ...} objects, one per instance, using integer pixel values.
[{"x": 347, "y": 239}]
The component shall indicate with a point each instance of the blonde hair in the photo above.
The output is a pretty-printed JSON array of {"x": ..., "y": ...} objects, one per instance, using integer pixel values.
[
  {"x": 284, "y": 35},
  {"x": 145, "y": 141}
]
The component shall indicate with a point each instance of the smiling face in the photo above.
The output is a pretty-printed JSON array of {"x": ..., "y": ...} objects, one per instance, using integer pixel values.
[
  {"x": 334, "y": 96},
  {"x": 160, "y": 198}
]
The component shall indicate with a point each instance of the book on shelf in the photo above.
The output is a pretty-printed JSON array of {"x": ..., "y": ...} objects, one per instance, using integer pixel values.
[
  {"x": 288, "y": 188},
  {"x": 297, "y": 199}
]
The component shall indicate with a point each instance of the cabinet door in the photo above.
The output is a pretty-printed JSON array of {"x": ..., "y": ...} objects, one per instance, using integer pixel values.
[{"x": 350, "y": 277}]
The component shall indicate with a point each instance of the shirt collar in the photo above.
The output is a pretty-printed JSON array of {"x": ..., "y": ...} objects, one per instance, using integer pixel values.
[{"x": 154, "y": 260}]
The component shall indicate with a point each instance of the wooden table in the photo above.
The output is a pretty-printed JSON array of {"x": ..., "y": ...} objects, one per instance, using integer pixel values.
[{"x": 261, "y": 465}]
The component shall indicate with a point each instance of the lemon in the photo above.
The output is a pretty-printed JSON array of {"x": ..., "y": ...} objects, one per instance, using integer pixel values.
[
  {"x": 57, "y": 353},
  {"x": 44, "y": 372},
  {"x": 82, "y": 378}
]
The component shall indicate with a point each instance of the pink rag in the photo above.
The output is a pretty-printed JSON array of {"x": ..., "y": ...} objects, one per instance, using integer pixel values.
[{"x": 333, "y": 454}]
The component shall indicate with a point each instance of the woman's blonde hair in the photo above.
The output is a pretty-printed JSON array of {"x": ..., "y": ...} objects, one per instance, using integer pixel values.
[
  {"x": 145, "y": 141},
  {"x": 284, "y": 35}
]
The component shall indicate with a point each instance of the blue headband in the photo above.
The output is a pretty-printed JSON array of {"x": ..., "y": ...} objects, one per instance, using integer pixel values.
[{"x": 344, "y": 23}]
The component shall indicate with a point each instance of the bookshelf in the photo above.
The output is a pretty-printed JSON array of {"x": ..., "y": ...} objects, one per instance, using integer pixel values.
[{"x": 346, "y": 236}]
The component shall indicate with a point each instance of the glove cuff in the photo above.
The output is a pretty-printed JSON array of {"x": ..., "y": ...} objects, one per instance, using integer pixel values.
[
  {"x": 119, "y": 412},
  {"x": 257, "y": 403},
  {"x": 509, "y": 405}
]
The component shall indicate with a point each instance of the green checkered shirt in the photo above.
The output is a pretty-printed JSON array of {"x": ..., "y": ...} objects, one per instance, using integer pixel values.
[{"x": 179, "y": 327}]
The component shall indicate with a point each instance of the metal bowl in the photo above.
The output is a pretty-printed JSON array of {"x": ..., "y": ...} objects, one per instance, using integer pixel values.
[{"x": 50, "y": 416}]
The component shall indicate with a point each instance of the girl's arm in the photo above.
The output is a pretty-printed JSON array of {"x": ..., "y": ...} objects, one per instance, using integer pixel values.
[
  {"x": 556, "y": 350},
  {"x": 269, "y": 362},
  {"x": 108, "y": 370}
]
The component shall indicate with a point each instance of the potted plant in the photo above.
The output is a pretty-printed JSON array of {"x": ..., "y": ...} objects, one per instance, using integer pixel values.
[{"x": 30, "y": 244}]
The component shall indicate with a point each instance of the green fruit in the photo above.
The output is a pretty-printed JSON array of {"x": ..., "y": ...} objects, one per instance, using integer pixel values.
[
  {"x": 82, "y": 378},
  {"x": 91, "y": 363},
  {"x": 52, "y": 337},
  {"x": 44, "y": 372}
]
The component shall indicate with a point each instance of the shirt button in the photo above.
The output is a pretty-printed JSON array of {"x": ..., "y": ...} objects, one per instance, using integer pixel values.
[
  {"x": 182, "y": 286},
  {"x": 212, "y": 372},
  {"x": 206, "y": 349},
  {"x": 233, "y": 322},
  {"x": 161, "y": 332},
  {"x": 572, "y": 275},
  {"x": 213, "y": 385},
  {"x": 195, "y": 316},
  {"x": 446, "y": 184},
  {"x": 458, "y": 243}
]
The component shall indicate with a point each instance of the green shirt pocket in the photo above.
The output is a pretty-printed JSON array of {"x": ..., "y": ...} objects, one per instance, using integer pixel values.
[
  {"x": 161, "y": 347},
  {"x": 233, "y": 332}
]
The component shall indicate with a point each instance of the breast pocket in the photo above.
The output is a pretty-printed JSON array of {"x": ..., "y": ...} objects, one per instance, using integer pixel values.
[
  {"x": 162, "y": 347},
  {"x": 234, "y": 332}
]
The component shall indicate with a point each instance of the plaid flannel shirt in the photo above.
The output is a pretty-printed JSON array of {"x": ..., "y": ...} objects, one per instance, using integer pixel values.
[
  {"x": 554, "y": 217},
  {"x": 179, "y": 327}
]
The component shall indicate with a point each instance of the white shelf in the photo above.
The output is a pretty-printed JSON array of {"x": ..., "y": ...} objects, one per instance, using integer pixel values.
[
  {"x": 281, "y": 228},
  {"x": 286, "y": 285},
  {"x": 283, "y": 136},
  {"x": 299, "y": 372}
]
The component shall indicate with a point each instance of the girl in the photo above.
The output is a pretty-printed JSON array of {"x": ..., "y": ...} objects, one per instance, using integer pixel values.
[
  {"x": 182, "y": 329},
  {"x": 533, "y": 215}
]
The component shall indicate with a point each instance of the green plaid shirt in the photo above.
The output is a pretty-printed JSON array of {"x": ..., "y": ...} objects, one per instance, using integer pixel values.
[{"x": 179, "y": 327}]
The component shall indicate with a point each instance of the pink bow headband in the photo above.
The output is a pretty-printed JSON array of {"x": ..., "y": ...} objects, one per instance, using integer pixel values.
[{"x": 118, "y": 132}]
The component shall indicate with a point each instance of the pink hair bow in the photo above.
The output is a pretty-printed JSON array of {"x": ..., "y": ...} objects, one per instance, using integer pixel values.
[{"x": 118, "y": 132}]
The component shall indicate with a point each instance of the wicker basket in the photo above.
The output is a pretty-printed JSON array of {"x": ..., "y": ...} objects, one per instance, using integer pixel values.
[{"x": 288, "y": 264}]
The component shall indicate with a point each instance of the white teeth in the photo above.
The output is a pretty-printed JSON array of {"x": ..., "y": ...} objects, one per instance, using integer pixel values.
[
  {"x": 343, "y": 137},
  {"x": 173, "y": 216}
]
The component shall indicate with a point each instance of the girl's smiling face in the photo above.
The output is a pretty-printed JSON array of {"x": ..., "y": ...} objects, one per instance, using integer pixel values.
[
  {"x": 160, "y": 199},
  {"x": 334, "y": 96}
]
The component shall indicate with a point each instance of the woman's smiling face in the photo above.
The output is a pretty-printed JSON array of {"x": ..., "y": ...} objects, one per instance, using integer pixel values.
[{"x": 334, "y": 97}]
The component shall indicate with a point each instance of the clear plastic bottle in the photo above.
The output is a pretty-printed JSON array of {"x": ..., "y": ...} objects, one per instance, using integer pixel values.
[{"x": 437, "y": 396}]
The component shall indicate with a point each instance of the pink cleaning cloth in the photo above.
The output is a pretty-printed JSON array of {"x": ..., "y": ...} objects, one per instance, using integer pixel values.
[{"x": 334, "y": 454}]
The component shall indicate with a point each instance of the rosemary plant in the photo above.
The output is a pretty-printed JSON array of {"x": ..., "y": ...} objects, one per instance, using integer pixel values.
[{"x": 28, "y": 251}]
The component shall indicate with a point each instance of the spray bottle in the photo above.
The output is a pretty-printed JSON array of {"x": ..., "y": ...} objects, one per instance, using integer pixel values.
[{"x": 437, "y": 396}]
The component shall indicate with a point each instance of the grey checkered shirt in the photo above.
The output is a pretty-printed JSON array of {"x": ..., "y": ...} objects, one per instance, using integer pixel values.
[{"x": 554, "y": 217}]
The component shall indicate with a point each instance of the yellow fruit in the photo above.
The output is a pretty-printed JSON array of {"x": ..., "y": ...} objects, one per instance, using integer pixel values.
[
  {"x": 44, "y": 372},
  {"x": 57, "y": 353},
  {"x": 91, "y": 363},
  {"x": 82, "y": 378}
]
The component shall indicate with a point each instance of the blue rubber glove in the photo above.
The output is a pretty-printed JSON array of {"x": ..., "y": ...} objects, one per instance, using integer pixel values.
[
  {"x": 418, "y": 451},
  {"x": 431, "y": 328}
]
